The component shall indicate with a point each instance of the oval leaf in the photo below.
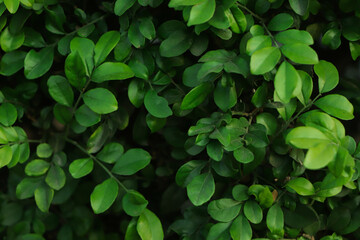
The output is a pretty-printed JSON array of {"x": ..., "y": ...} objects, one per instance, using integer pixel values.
[
  {"x": 264, "y": 60},
  {"x": 201, "y": 189},
  {"x": 337, "y": 106},
  {"x": 104, "y": 195},
  {"x": 60, "y": 90},
  {"x": 100, "y": 100},
  {"x": 302, "y": 186},
  {"x": 132, "y": 161},
  {"x": 111, "y": 71}
]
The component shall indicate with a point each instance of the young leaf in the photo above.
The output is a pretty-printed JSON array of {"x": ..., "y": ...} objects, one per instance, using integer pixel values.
[
  {"x": 257, "y": 42},
  {"x": 275, "y": 219},
  {"x": 8, "y": 114},
  {"x": 300, "y": 53},
  {"x": 306, "y": 137},
  {"x": 253, "y": 211},
  {"x": 100, "y": 100},
  {"x": 157, "y": 105},
  {"x": 111, "y": 71},
  {"x": 202, "y": 12},
  {"x": 60, "y": 90},
  {"x": 328, "y": 76},
  {"x": 36, "y": 64},
  {"x": 337, "y": 106},
  {"x": 320, "y": 156},
  {"x": 224, "y": 210},
  {"x": 149, "y": 226},
  {"x": 105, "y": 45},
  {"x": 241, "y": 229},
  {"x": 201, "y": 188},
  {"x": 104, "y": 195},
  {"x": 10, "y": 41},
  {"x": 196, "y": 96},
  {"x": 302, "y": 186},
  {"x": 43, "y": 197},
  {"x": 12, "y": 5},
  {"x": 287, "y": 82},
  {"x": 131, "y": 162},
  {"x": 81, "y": 167},
  {"x": 264, "y": 60},
  {"x": 134, "y": 203}
]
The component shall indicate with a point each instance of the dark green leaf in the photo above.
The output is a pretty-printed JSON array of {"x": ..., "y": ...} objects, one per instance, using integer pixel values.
[
  {"x": 134, "y": 203},
  {"x": 105, "y": 45},
  {"x": 253, "y": 211},
  {"x": 196, "y": 96},
  {"x": 37, "y": 167},
  {"x": 111, "y": 71},
  {"x": 55, "y": 177},
  {"x": 241, "y": 229},
  {"x": 275, "y": 219},
  {"x": 36, "y": 64},
  {"x": 86, "y": 117},
  {"x": 157, "y": 105},
  {"x": 111, "y": 152},
  {"x": 43, "y": 197},
  {"x": 60, "y": 90},
  {"x": 201, "y": 189},
  {"x": 131, "y": 162},
  {"x": 224, "y": 210},
  {"x": 175, "y": 45},
  {"x": 12, "y": 62}
]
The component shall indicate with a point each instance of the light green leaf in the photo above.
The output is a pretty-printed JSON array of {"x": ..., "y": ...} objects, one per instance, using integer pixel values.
[
  {"x": 224, "y": 210},
  {"x": 275, "y": 219},
  {"x": 201, "y": 188},
  {"x": 202, "y": 12},
  {"x": 328, "y": 76},
  {"x": 281, "y": 22},
  {"x": 105, "y": 45},
  {"x": 134, "y": 203},
  {"x": 111, "y": 71},
  {"x": 55, "y": 177},
  {"x": 241, "y": 229},
  {"x": 269, "y": 121},
  {"x": 257, "y": 43},
  {"x": 8, "y": 114},
  {"x": 302, "y": 186},
  {"x": 9, "y": 41},
  {"x": 253, "y": 211},
  {"x": 354, "y": 50},
  {"x": 196, "y": 96},
  {"x": 131, "y": 162},
  {"x": 337, "y": 106},
  {"x": 306, "y": 137},
  {"x": 149, "y": 226},
  {"x": 100, "y": 100},
  {"x": 104, "y": 195},
  {"x": 5, "y": 155},
  {"x": 306, "y": 87},
  {"x": 156, "y": 105},
  {"x": 36, "y": 64},
  {"x": 81, "y": 167},
  {"x": 293, "y": 36},
  {"x": 43, "y": 197},
  {"x": 37, "y": 167},
  {"x": 300, "y": 53},
  {"x": 264, "y": 60},
  {"x": 60, "y": 90},
  {"x": 320, "y": 156},
  {"x": 287, "y": 82},
  {"x": 12, "y": 5}
]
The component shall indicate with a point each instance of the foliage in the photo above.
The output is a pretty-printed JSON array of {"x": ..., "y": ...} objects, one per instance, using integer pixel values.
[{"x": 180, "y": 119}]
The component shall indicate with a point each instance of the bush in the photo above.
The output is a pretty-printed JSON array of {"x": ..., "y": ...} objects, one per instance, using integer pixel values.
[{"x": 187, "y": 119}]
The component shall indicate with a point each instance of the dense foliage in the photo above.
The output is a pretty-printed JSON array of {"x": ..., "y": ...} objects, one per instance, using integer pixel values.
[{"x": 180, "y": 119}]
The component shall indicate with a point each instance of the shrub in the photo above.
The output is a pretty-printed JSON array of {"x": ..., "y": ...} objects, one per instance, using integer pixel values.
[{"x": 187, "y": 119}]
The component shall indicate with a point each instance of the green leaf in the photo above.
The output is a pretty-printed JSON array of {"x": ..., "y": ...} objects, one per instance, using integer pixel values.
[
  {"x": 44, "y": 150},
  {"x": 135, "y": 36},
  {"x": 131, "y": 232},
  {"x": 33, "y": 38},
  {"x": 86, "y": 117},
  {"x": 220, "y": 19},
  {"x": 37, "y": 167},
  {"x": 224, "y": 210},
  {"x": 306, "y": 87},
  {"x": 328, "y": 76},
  {"x": 43, "y": 197},
  {"x": 36, "y": 64},
  {"x": 154, "y": 123},
  {"x": 222, "y": 134},
  {"x": 149, "y": 226},
  {"x": 257, "y": 42},
  {"x": 75, "y": 70},
  {"x": 147, "y": 28},
  {"x": 337, "y": 106},
  {"x": 121, "y": 6},
  {"x": 10, "y": 41},
  {"x": 306, "y": 137},
  {"x": 299, "y": 6},
  {"x": 131, "y": 162},
  {"x": 81, "y": 167},
  {"x": 100, "y": 100},
  {"x": 176, "y": 44},
  {"x": 264, "y": 60},
  {"x": 111, "y": 152},
  {"x": 281, "y": 22},
  {"x": 225, "y": 97},
  {"x": 97, "y": 139},
  {"x": 104, "y": 195},
  {"x": 134, "y": 203},
  {"x": 332, "y": 38},
  {"x": 5, "y": 155},
  {"x": 178, "y": 3},
  {"x": 55, "y": 177},
  {"x": 201, "y": 188},
  {"x": 293, "y": 36},
  {"x": 12, "y": 62},
  {"x": 269, "y": 121},
  {"x": 302, "y": 186},
  {"x": 240, "y": 192},
  {"x": 214, "y": 150},
  {"x": 12, "y": 5},
  {"x": 241, "y": 229},
  {"x": 157, "y": 105},
  {"x": 188, "y": 171},
  {"x": 320, "y": 156},
  {"x": 275, "y": 219},
  {"x": 202, "y": 12},
  {"x": 85, "y": 48},
  {"x": 196, "y": 96},
  {"x": 243, "y": 155},
  {"x": 219, "y": 231},
  {"x": 287, "y": 82},
  {"x": 253, "y": 211},
  {"x": 26, "y": 188},
  {"x": 105, "y": 45},
  {"x": 60, "y": 90},
  {"x": 8, "y": 114},
  {"x": 354, "y": 50},
  {"x": 111, "y": 71},
  {"x": 300, "y": 53}
]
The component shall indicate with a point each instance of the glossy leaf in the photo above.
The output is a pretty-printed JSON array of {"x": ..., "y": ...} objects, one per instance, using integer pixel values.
[
  {"x": 5, "y": 155},
  {"x": 320, "y": 156},
  {"x": 337, "y": 106},
  {"x": 149, "y": 226},
  {"x": 253, "y": 211},
  {"x": 302, "y": 186},
  {"x": 202, "y": 12},
  {"x": 299, "y": 6},
  {"x": 196, "y": 96},
  {"x": 287, "y": 82},
  {"x": 328, "y": 76},
  {"x": 241, "y": 229},
  {"x": 8, "y": 114},
  {"x": 100, "y": 100},
  {"x": 275, "y": 219},
  {"x": 306, "y": 137},
  {"x": 281, "y": 22},
  {"x": 293, "y": 36},
  {"x": 43, "y": 197},
  {"x": 224, "y": 210},
  {"x": 37, "y": 167},
  {"x": 300, "y": 53},
  {"x": 111, "y": 152},
  {"x": 10, "y": 41},
  {"x": 55, "y": 177},
  {"x": 175, "y": 45},
  {"x": 264, "y": 60}
]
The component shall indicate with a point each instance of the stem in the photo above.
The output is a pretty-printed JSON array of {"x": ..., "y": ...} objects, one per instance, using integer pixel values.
[{"x": 98, "y": 162}]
